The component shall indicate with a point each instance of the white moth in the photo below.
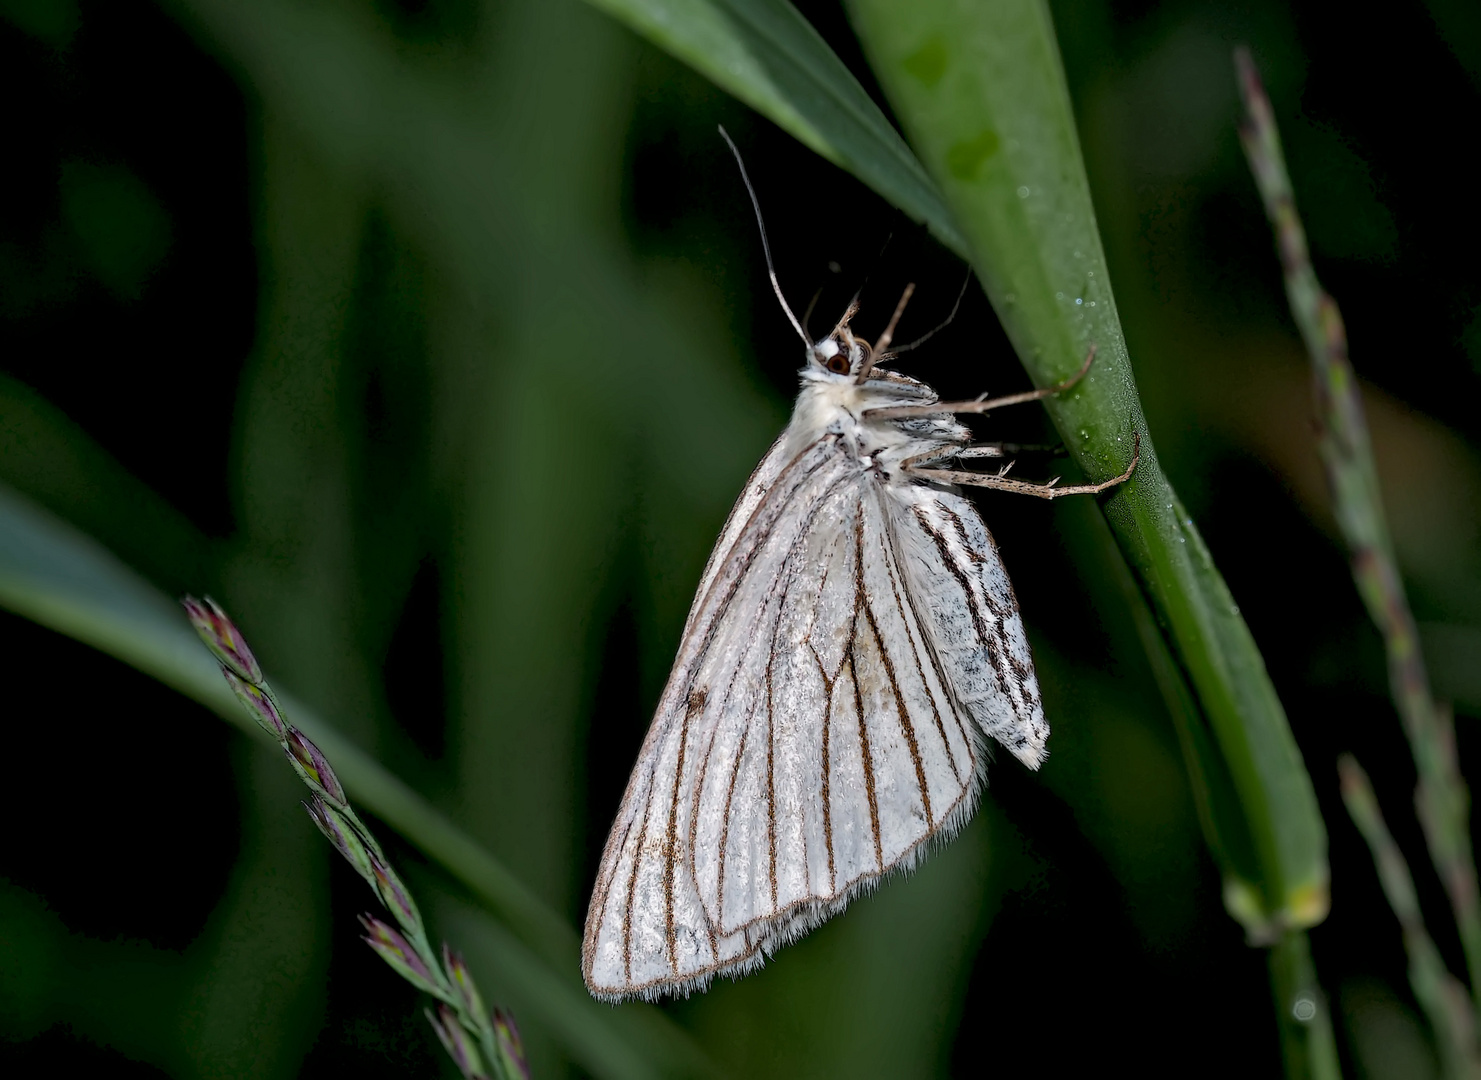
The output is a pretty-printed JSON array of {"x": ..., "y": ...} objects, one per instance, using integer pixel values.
[{"x": 853, "y": 645}]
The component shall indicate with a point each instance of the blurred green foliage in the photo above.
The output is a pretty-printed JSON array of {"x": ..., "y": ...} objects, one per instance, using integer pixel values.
[{"x": 432, "y": 338}]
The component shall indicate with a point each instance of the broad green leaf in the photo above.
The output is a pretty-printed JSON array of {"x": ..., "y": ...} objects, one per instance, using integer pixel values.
[
  {"x": 766, "y": 54},
  {"x": 57, "y": 577},
  {"x": 981, "y": 93}
]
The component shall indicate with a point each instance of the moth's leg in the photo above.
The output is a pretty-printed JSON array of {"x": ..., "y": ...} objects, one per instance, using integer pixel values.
[
  {"x": 1008, "y": 449},
  {"x": 977, "y": 450},
  {"x": 984, "y": 404},
  {"x": 944, "y": 454},
  {"x": 1051, "y": 490}
]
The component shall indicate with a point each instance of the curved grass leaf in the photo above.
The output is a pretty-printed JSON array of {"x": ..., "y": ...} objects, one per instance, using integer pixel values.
[
  {"x": 56, "y": 576},
  {"x": 766, "y": 54},
  {"x": 981, "y": 92}
]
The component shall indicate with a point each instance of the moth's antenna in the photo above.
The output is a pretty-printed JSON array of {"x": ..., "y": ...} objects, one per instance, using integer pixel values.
[
  {"x": 765, "y": 246},
  {"x": 889, "y": 331},
  {"x": 848, "y": 315},
  {"x": 945, "y": 323}
]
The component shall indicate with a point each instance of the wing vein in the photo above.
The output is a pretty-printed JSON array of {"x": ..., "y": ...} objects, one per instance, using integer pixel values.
[
  {"x": 903, "y": 713},
  {"x": 632, "y": 885},
  {"x": 866, "y": 750},
  {"x": 670, "y": 862},
  {"x": 988, "y": 635},
  {"x": 896, "y": 573},
  {"x": 740, "y": 754},
  {"x": 771, "y": 750},
  {"x": 701, "y": 655},
  {"x": 826, "y": 770},
  {"x": 1020, "y": 671},
  {"x": 738, "y": 578}
]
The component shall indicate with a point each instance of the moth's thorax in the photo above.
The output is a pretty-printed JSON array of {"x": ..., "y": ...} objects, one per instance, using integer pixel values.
[{"x": 837, "y": 402}]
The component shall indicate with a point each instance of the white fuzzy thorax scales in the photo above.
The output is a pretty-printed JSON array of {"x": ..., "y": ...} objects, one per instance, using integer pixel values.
[{"x": 852, "y": 647}]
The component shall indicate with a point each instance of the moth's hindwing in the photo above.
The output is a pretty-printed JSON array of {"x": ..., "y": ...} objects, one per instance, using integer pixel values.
[{"x": 955, "y": 572}]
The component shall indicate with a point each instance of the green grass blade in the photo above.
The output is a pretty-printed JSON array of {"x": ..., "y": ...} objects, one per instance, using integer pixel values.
[
  {"x": 57, "y": 577},
  {"x": 981, "y": 93},
  {"x": 767, "y": 55},
  {"x": 47, "y": 457}
]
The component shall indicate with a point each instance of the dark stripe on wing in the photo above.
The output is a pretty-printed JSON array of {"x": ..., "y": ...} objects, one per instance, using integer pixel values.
[
  {"x": 601, "y": 894},
  {"x": 632, "y": 888},
  {"x": 693, "y": 706},
  {"x": 907, "y": 604},
  {"x": 865, "y": 748},
  {"x": 988, "y": 635},
  {"x": 1022, "y": 673},
  {"x": 725, "y": 826},
  {"x": 827, "y": 767},
  {"x": 771, "y": 748},
  {"x": 906, "y": 727}
]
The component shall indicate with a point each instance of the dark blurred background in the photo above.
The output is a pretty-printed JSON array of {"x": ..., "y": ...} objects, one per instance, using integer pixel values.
[{"x": 433, "y": 338}]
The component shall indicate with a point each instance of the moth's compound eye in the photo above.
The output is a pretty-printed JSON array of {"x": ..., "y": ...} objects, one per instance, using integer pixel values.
[
  {"x": 825, "y": 352},
  {"x": 837, "y": 363}
]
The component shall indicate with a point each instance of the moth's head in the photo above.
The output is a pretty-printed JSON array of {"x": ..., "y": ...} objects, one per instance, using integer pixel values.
[{"x": 840, "y": 355}]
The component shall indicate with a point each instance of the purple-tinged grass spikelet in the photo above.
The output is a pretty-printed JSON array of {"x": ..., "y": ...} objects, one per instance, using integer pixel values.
[
  {"x": 395, "y": 896},
  {"x": 399, "y": 953},
  {"x": 1345, "y": 445},
  {"x": 511, "y": 1046},
  {"x": 462, "y": 1023},
  {"x": 459, "y": 1045},
  {"x": 222, "y": 638},
  {"x": 259, "y": 704},
  {"x": 462, "y": 980},
  {"x": 344, "y": 836},
  {"x": 1443, "y": 997},
  {"x": 313, "y": 767}
]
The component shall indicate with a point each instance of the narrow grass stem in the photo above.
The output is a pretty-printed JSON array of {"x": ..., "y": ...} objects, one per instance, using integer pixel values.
[
  {"x": 1306, "y": 1042},
  {"x": 1439, "y": 993},
  {"x": 1442, "y": 799}
]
